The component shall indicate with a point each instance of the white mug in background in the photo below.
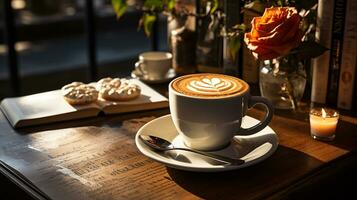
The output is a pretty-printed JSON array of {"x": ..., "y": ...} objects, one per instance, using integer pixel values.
[
  {"x": 210, "y": 122},
  {"x": 154, "y": 65}
]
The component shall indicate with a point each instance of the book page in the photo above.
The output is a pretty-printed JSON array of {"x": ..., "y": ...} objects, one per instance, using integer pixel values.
[
  {"x": 91, "y": 163},
  {"x": 44, "y": 105}
]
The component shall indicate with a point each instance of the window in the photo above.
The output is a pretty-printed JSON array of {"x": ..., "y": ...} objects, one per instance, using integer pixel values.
[{"x": 52, "y": 44}]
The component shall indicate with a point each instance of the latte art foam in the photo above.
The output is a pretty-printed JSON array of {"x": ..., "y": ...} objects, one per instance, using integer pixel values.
[
  {"x": 214, "y": 85},
  {"x": 209, "y": 85}
]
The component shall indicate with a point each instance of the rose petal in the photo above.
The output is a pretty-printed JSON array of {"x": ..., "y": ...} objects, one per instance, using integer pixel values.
[
  {"x": 247, "y": 37},
  {"x": 284, "y": 48},
  {"x": 267, "y": 27},
  {"x": 275, "y": 49},
  {"x": 283, "y": 32},
  {"x": 288, "y": 29},
  {"x": 255, "y": 31},
  {"x": 275, "y": 33},
  {"x": 268, "y": 13}
]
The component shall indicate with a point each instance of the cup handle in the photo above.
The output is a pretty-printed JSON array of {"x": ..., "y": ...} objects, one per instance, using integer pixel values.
[
  {"x": 138, "y": 66},
  {"x": 262, "y": 124}
]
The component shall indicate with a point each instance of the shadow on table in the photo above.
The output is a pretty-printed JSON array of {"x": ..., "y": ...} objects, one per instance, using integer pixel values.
[
  {"x": 279, "y": 171},
  {"x": 346, "y": 135}
]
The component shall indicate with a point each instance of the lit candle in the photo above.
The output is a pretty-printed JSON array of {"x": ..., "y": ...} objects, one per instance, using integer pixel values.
[{"x": 323, "y": 122}]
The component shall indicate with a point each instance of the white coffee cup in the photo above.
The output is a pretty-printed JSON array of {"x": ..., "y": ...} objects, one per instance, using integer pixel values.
[
  {"x": 210, "y": 123},
  {"x": 154, "y": 65}
]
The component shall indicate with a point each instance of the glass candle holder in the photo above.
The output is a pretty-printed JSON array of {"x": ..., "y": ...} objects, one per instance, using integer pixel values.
[{"x": 323, "y": 123}]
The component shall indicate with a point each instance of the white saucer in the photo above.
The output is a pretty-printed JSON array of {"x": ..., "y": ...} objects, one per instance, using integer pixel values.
[
  {"x": 252, "y": 149},
  {"x": 170, "y": 75}
]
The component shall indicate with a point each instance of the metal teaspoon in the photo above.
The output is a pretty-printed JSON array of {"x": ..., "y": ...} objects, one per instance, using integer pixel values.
[{"x": 161, "y": 144}]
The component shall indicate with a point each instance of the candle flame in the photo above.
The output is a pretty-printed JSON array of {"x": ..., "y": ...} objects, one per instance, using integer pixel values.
[{"x": 324, "y": 115}]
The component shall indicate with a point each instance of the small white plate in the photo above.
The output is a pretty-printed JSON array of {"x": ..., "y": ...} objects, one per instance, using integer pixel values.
[
  {"x": 170, "y": 75},
  {"x": 252, "y": 149}
]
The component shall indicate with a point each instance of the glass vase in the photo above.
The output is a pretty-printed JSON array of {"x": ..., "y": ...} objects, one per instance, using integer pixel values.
[{"x": 283, "y": 82}]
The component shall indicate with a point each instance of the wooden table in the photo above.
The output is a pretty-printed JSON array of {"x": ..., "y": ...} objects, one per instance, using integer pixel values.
[{"x": 301, "y": 167}]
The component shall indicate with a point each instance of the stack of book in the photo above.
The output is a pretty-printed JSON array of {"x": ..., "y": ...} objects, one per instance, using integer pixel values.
[{"x": 334, "y": 72}]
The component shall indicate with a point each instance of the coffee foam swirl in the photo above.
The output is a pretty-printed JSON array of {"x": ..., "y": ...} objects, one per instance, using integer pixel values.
[{"x": 209, "y": 85}]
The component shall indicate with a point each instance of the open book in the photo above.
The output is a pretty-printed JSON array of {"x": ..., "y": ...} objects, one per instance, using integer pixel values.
[{"x": 50, "y": 107}]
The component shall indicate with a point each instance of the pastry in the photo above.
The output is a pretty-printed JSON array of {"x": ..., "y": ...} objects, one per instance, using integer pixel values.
[
  {"x": 117, "y": 89},
  {"x": 109, "y": 83},
  {"x": 77, "y": 93}
]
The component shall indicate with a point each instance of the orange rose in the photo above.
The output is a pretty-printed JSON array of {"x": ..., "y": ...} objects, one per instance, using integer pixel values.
[{"x": 275, "y": 33}]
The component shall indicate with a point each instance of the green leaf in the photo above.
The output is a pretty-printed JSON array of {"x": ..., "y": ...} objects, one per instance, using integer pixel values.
[
  {"x": 119, "y": 7},
  {"x": 170, "y": 4},
  {"x": 234, "y": 46},
  {"x": 255, "y": 6},
  {"x": 154, "y": 4},
  {"x": 310, "y": 49},
  {"x": 240, "y": 27},
  {"x": 215, "y": 5},
  {"x": 280, "y": 2},
  {"x": 148, "y": 21}
]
